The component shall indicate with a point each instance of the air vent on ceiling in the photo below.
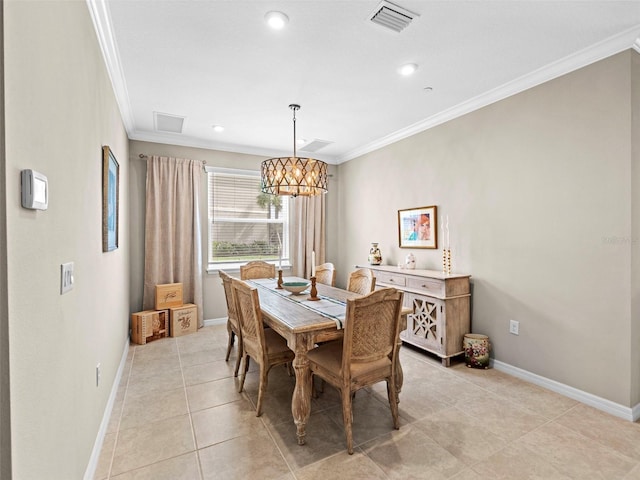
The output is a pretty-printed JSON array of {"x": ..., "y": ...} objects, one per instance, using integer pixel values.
[
  {"x": 315, "y": 145},
  {"x": 391, "y": 16},
  {"x": 168, "y": 123}
]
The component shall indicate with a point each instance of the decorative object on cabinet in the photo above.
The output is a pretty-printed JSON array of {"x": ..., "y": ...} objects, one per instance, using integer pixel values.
[
  {"x": 476, "y": 350},
  {"x": 110, "y": 199},
  {"x": 418, "y": 227},
  {"x": 375, "y": 256},
  {"x": 446, "y": 261},
  {"x": 294, "y": 175},
  {"x": 410, "y": 262},
  {"x": 446, "y": 251},
  {"x": 441, "y": 307}
]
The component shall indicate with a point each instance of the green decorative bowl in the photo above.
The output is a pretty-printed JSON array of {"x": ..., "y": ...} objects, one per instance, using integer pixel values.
[{"x": 295, "y": 287}]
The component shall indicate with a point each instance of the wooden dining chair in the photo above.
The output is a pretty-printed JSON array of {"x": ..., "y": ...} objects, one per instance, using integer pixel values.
[
  {"x": 326, "y": 274},
  {"x": 257, "y": 269},
  {"x": 362, "y": 281},
  {"x": 265, "y": 346},
  {"x": 233, "y": 324},
  {"x": 367, "y": 354}
]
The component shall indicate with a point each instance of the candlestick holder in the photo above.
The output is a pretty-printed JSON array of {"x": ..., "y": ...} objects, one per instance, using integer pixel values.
[
  {"x": 313, "y": 294},
  {"x": 279, "y": 287},
  {"x": 444, "y": 260},
  {"x": 448, "y": 261}
]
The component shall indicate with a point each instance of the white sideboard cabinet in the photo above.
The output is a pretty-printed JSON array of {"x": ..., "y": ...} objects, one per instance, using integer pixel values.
[{"x": 441, "y": 307}]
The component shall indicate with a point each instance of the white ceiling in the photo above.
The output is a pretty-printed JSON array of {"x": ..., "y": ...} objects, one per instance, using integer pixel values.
[{"x": 217, "y": 62}]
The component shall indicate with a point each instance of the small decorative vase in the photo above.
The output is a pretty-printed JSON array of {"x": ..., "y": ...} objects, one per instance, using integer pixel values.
[
  {"x": 476, "y": 350},
  {"x": 410, "y": 262},
  {"x": 375, "y": 257}
]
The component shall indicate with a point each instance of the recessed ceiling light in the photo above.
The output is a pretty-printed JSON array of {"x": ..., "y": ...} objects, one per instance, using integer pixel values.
[
  {"x": 407, "y": 69},
  {"x": 427, "y": 89},
  {"x": 276, "y": 20},
  {"x": 218, "y": 128}
]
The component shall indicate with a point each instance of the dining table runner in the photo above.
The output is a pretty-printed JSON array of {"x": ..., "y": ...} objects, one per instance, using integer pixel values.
[{"x": 326, "y": 306}]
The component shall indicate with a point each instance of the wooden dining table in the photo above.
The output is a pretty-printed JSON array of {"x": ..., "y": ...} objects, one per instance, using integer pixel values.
[{"x": 304, "y": 323}]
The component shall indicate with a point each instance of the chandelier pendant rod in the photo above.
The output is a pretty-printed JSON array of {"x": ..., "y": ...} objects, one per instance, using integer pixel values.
[{"x": 295, "y": 108}]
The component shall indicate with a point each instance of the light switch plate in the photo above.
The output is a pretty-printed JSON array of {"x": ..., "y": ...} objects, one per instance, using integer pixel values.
[{"x": 66, "y": 277}]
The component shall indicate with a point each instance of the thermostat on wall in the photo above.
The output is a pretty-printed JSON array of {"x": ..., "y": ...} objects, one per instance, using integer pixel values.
[{"x": 35, "y": 190}]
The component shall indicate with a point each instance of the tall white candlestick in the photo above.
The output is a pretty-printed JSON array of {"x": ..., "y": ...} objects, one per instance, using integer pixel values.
[
  {"x": 448, "y": 240},
  {"x": 313, "y": 263}
]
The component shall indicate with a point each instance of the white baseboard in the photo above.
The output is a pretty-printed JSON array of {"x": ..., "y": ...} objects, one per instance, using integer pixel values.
[
  {"x": 215, "y": 321},
  {"x": 620, "y": 411},
  {"x": 102, "y": 431}
]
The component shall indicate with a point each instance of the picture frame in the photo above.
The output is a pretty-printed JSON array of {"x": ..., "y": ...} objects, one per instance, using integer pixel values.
[
  {"x": 418, "y": 227},
  {"x": 110, "y": 199}
]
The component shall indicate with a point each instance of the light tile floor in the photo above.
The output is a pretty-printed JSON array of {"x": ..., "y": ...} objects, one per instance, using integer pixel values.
[{"x": 178, "y": 415}]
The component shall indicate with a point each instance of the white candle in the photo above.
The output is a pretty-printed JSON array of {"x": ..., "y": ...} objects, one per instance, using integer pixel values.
[
  {"x": 448, "y": 238},
  {"x": 313, "y": 263},
  {"x": 279, "y": 252}
]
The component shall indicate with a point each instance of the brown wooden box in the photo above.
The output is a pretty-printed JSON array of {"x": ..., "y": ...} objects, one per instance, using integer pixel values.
[
  {"x": 168, "y": 295},
  {"x": 149, "y": 325},
  {"x": 184, "y": 320}
]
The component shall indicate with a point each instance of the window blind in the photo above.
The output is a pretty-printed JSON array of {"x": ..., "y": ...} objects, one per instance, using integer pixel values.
[{"x": 244, "y": 223}]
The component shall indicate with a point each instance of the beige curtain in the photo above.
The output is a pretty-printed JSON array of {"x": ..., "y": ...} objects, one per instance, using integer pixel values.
[
  {"x": 172, "y": 246},
  {"x": 307, "y": 233}
]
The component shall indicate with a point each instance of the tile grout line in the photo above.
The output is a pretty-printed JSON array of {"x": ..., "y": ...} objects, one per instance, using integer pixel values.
[{"x": 186, "y": 398}]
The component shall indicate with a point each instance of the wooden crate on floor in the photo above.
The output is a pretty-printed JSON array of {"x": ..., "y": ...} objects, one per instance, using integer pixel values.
[
  {"x": 184, "y": 320},
  {"x": 149, "y": 325},
  {"x": 168, "y": 295}
]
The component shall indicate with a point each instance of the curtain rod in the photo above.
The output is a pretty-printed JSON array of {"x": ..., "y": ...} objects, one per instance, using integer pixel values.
[{"x": 142, "y": 155}]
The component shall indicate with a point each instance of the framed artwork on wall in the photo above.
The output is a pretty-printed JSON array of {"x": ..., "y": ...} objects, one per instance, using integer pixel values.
[
  {"x": 418, "y": 227},
  {"x": 110, "y": 199}
]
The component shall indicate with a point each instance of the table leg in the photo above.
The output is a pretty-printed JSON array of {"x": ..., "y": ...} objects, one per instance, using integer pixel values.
[{"x": 301, "y": 401}]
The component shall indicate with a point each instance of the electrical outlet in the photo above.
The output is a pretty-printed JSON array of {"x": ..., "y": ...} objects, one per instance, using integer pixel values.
[
  {"x": 514, "y": 327},
  {"x": 97, "y": 375},
  {"x": 66, "y": 277}
]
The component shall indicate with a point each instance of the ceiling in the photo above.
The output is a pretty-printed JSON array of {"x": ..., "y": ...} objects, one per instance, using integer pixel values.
[{"x": 216, "y": 62}]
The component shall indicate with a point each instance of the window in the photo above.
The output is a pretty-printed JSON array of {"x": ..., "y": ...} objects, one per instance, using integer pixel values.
[{"x": 244, "y": 223}]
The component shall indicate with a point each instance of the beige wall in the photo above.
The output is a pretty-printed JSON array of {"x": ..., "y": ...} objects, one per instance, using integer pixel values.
[
  {"x": 538, "y": 190},
  {"x": 60, "y": 111},
  {"x": 214, "y": 303},
  {"x": 5, "y": 405},
  {"x": 634, "y": 337}
]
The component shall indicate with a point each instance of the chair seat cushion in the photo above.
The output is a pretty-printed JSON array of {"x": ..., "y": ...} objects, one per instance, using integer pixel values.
[
  {"x": 329, "y": 356},
  {"x": 275, "y": 343}
]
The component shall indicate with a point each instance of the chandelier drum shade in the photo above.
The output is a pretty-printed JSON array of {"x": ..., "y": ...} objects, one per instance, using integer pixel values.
[{"x": 294, "y": 175}]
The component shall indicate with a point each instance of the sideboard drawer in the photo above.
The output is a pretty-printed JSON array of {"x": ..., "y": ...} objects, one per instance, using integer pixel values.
[
  {"x": 433, "y": 287},
  {"x": 389, "y": 279}
]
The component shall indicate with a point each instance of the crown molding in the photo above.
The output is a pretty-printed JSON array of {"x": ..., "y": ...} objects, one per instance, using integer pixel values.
[
  {"x": 101, "y": 18},
  {"x": 627, "y": 39},
  {"x": 176, "y": 139}
]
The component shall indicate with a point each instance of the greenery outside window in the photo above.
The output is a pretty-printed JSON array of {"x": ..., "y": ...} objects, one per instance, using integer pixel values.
[{"x": 244, "y": 223}]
